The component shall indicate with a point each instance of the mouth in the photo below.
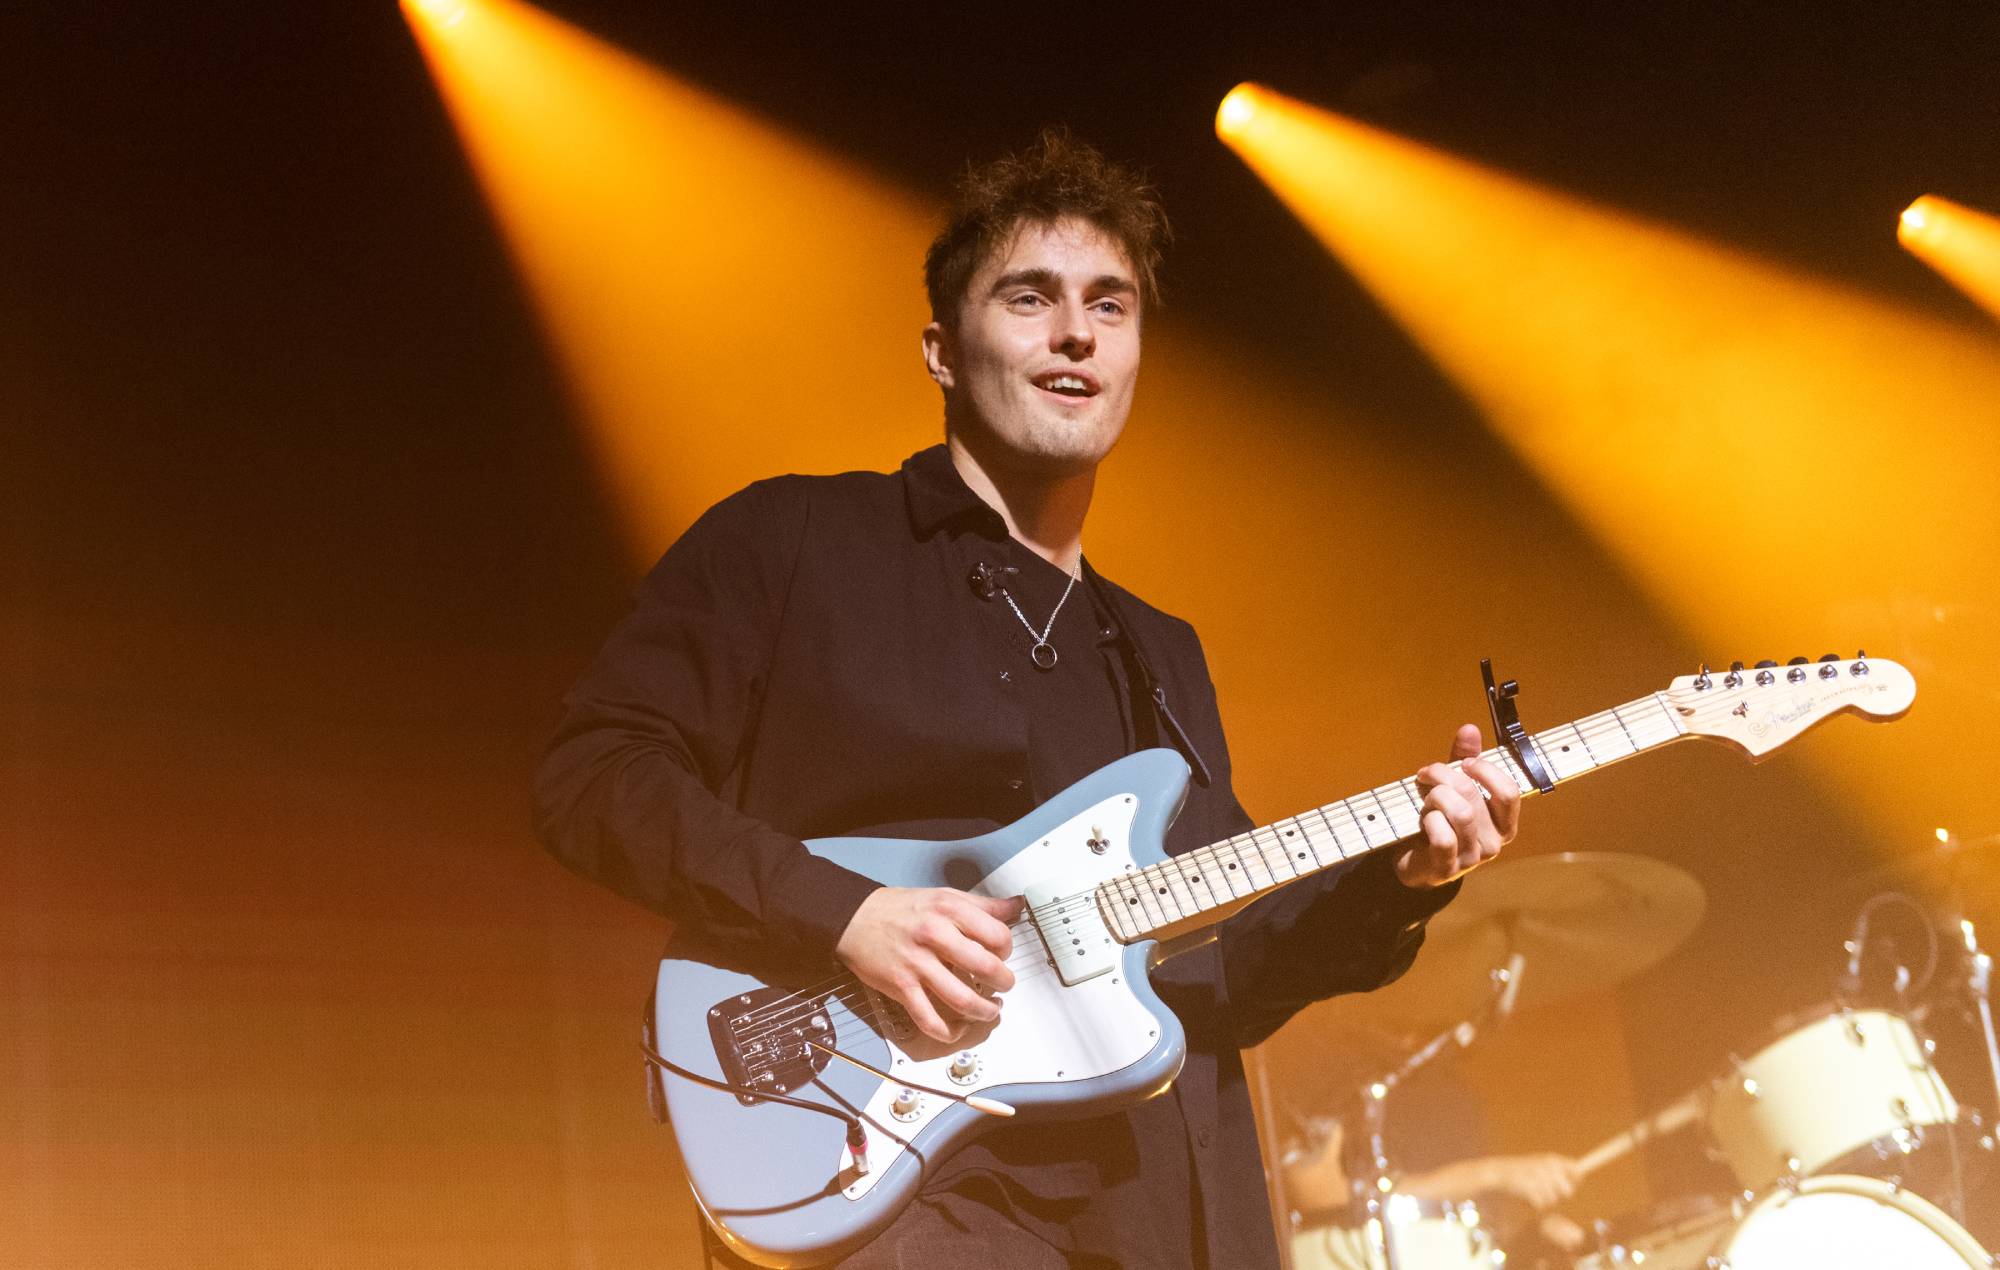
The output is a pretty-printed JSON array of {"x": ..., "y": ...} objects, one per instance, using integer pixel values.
[{"x": 1073, "y": 385}]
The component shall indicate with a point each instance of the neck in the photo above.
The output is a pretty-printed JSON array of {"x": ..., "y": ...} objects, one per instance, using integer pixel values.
[
  {"x": 1182, "y": 895},
  {"x": 1043, "y": 510}
]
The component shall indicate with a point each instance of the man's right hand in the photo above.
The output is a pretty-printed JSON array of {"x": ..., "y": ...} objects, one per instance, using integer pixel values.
[{"x": 919, "y": 946}]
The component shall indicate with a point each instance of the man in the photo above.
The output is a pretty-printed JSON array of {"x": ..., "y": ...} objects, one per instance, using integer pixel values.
[
  {"x": 927, "y": 654},
  {"x": 1329, "y": 1230}
]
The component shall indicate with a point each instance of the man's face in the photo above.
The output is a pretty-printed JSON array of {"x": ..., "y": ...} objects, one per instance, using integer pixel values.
[{"x": 1038, "y": 370}]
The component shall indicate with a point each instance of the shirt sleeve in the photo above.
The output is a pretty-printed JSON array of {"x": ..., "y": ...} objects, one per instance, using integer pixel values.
[
  {"x": 631, "y": 790},
  {"x": 1352, "y": 928}
]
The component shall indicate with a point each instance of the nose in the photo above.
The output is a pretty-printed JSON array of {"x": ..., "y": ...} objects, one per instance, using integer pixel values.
[{"x": 1073, "y": 335}]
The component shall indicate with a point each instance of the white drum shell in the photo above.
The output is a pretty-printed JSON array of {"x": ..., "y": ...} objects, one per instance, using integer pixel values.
[
  {"x": 1430, "y": 1243},
  {"x": 1829, "y": 1087},
  {"x": 1836, "y": 1222}
]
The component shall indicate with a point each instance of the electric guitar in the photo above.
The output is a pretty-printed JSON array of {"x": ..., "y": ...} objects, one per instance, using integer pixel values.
[{"x": 808, "y": 1109}]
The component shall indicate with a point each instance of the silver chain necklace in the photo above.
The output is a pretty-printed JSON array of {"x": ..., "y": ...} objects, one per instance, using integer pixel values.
[{"x": 1043, "y": 654}]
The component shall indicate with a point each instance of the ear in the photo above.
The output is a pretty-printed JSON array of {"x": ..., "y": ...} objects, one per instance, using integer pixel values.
[{"x": 939, "y": 354}]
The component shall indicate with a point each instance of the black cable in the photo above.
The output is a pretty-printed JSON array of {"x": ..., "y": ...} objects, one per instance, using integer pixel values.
[{"x": 852, "y": 1122}]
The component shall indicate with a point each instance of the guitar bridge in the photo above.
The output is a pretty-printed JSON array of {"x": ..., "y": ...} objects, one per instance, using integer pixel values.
[{"x": 764, "y": 1040}]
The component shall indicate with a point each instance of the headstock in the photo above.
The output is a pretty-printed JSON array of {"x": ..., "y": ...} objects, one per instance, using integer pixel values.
[{"x": 1761, "y": 707}]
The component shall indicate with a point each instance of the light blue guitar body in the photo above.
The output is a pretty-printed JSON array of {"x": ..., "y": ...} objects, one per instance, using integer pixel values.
[{"x": 776, "y": 1182}]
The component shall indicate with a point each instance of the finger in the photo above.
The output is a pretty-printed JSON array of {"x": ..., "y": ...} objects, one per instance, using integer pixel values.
[
  {"x": 954, "y": 994},
  {"x": 979, "y": 962},
  {"x": 1470, "y": 825},
  {"x": 1432, "y": 775},
  {"x": 917, "y": 1004},
  {"x": 1008, "y": 908},
  {"x": 975, "y": 916},
  {"x": 1439, "y": 861},
  {"x": 1503, "y": 795},
  {"x": 1465, "y": 743}
]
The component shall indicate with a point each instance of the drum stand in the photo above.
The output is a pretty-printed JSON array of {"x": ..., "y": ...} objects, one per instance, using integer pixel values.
[
  {"x": 1979, "y": 981},
  {"x": 1374, "y": 1194}
]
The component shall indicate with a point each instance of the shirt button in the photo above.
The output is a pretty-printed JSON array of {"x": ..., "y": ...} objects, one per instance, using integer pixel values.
[{"x": 1016, "y": 783}]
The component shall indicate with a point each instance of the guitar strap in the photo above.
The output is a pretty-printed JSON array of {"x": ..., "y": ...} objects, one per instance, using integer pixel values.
[{"x": 1149, "y": 683}]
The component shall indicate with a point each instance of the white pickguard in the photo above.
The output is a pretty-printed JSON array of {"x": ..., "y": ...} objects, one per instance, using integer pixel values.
[{"x": 1047, "y": 1032}]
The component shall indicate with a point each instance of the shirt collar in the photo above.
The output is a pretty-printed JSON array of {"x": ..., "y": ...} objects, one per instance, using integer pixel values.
[{"x": 937, "y": 495}]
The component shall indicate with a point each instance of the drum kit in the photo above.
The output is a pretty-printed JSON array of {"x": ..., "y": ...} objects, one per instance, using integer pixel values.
[{"x": 1844, "y": 1144}]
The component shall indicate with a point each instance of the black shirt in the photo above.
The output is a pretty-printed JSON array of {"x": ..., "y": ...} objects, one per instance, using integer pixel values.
[{"x": 811, "y": 659}]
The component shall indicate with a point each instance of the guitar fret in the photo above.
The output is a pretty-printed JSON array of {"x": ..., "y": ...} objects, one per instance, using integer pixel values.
[
  {"x": 1265, "y": 844},
  {"x": 1513, "y": 769},
  {"x": 1332, "y": 832},
  {"x": 1240, "y": 880},
  {"x": 1362, "y": 824},
  {"x": 1411, "y": 819},
  {"x": 1584, "y": 741},
  {"x": 1629, "y": 738},
  {"x": 1679, "y": 729},
  {"x": 1249, "y": 875},
  {"x": 1299, "y": 831}
]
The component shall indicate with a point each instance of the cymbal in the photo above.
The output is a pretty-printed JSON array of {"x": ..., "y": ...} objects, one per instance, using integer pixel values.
[{"x": 1582, "y": 920}]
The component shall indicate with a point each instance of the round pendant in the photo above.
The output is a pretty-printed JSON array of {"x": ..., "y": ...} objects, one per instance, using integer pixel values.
[{"x": 1043, "y": 655}]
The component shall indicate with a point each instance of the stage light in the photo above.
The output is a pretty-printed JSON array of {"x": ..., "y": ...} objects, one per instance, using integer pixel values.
[
  {"x": 1959, "y": 242},
  {"x": 1236, "y": 111},
  {"x": 1784, "y": 463},
  {"x": 443, "y": 14}
]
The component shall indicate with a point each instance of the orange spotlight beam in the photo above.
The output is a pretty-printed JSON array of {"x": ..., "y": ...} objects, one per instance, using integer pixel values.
[
  {"x": 1959, "y": 242},
  {"x": 721, "y": 295},
  {"x": 1789, "y": 466}
]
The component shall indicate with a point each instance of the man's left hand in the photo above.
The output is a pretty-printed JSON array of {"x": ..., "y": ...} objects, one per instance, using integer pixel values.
[{"x": 1469, "y": 813}]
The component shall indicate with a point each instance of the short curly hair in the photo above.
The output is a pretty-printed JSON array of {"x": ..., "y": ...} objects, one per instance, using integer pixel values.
[{"x": 1056, "y": 177}]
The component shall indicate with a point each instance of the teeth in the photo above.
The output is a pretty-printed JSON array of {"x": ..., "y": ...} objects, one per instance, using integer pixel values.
[{"x": 1068, "y": 381}]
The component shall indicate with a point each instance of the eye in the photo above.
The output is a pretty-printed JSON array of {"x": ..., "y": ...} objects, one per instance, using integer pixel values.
[
  {"x": 1027, "y": 299},
  {"x": 1110, "y": 307}
]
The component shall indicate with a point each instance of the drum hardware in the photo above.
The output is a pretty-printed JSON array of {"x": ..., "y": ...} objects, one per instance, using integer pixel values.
[{"x": 1376, "y": 1198}]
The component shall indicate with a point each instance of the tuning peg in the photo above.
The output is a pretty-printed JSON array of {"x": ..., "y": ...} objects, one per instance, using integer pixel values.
[
  {"x": 1861, "y": 654},
  {"x": 1702, "y": 681},
  {"x": 1734, "y": 679}
]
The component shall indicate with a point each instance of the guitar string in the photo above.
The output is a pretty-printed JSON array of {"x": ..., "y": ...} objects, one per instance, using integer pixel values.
[
  {"x": 772, "y": 1024},
  {"x": 776, "y": 1016},
  {"x": 1267, "y": 836},
  {"x": 1604, "y": 724},
  {"x": 1270, "y": 833}
]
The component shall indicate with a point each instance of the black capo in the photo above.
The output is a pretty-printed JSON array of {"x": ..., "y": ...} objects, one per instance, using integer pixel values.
[{"x": 1507, "y": 726}]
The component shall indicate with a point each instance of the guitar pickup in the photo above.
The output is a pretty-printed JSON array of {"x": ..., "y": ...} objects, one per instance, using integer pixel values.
[{"x": 1074, "y": 936}]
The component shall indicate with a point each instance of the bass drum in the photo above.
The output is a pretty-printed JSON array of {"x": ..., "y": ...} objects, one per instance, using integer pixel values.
[
  {"x": 1833, "y": 1222},
  {"x": 1428, "y": 1237}
]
